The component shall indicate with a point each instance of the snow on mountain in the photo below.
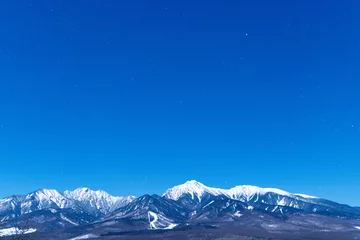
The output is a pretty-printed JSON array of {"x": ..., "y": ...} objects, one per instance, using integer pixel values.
[
  {"x": 157, "y": 221},
  {"x": 193, "y": 188},
  {"x": 86, "y": 236},
  {"x": 43, "y": 199},
  {"x": 9, "y": 208},
  {"x": 95, "y": 203},
  {"x": 154, "y": 203},
  {"x": 244, "y": 193},
  {"x": 268, "y": 199},
  {"x": 15, "y": 231},
  {"x": 305, "y": 196},
  {"x": 150, "y": 212},
  {"x": 99, "y": 200},
  {"x": 191, "y": 202}
]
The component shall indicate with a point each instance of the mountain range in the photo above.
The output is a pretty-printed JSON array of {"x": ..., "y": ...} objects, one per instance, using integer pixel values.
[{"x": 186, "y": 208}]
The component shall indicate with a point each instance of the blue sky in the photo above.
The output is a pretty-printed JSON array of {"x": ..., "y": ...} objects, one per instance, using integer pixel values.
[{"x": 136, "y": 97}]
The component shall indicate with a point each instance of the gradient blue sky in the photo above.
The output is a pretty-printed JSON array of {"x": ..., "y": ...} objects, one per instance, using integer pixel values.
[{"x": 137, "y": 97}]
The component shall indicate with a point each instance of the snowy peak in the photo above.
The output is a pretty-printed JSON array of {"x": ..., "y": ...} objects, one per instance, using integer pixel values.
[
  {"x": 95, "y": 203},
  {"x": 46, "y": 195},
  {"x": 99, "y": 200},
  {"x": 81, "y": 194},
  {"x": 244, "y": 192},
  {"x": 193, "y": 188},
  {"x": 42, "y": 199}
]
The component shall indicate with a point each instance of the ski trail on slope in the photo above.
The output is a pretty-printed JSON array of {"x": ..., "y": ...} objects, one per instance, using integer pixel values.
[{"x": 152, "y": 223}]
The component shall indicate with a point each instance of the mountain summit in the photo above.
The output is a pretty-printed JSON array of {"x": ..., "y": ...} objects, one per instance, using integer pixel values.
[
  {"x": 97, "y": 200},
  {"x": 193, "y": 188}
]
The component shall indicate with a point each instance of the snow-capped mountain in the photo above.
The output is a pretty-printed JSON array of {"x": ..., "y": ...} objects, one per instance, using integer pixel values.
[
  {"x": 99, "y": 200},
  {"x": 194, "y": 189},
  {"x": 244, "y": 193},
  {"x": 193, "y": 202},
  {"x": 188, "y": 204},
  {"x": 267, "y": 199},
  {"x": 96, "y": 203},
  {"x": 16, "y": 206},
  {"x": 44, "y": 199}
]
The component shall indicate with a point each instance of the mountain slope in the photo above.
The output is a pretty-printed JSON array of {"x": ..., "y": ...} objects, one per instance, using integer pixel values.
[
  {"x": 94, "y": 203},
  {"x": 193, "y": 193},
  {"x": 161, "y": 213},
  {"x": 97, "y": 202}
]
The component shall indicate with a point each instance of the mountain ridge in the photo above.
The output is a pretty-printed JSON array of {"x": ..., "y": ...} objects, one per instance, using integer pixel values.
[
  {"x": 190, "y": 203},
  {"x": 196, "y": 188}
]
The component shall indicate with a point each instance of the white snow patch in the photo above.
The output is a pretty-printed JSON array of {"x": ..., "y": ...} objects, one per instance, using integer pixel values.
[
  {"x": 208, "y": 204},
  {"x": 109, "y": 223},
  {"x": 250, "y": 207},
  {"x": 86, "y": 236},
  {"x": 15, "y": 231},
  {"x": 282, "y": 202},
  {"x": 357, "y": 227},
  {"x": 238, "y": 214},
  {"x": 68, "y": 220},
  {"x": 171, "y": 226},
  {"x": 304, "y": 195},
  {"x": 53, "y": 210},
  {"x": 275, "y": 209}
]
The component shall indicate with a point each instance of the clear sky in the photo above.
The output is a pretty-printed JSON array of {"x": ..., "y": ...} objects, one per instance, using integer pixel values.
[{"x": 136, "y": 97}]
